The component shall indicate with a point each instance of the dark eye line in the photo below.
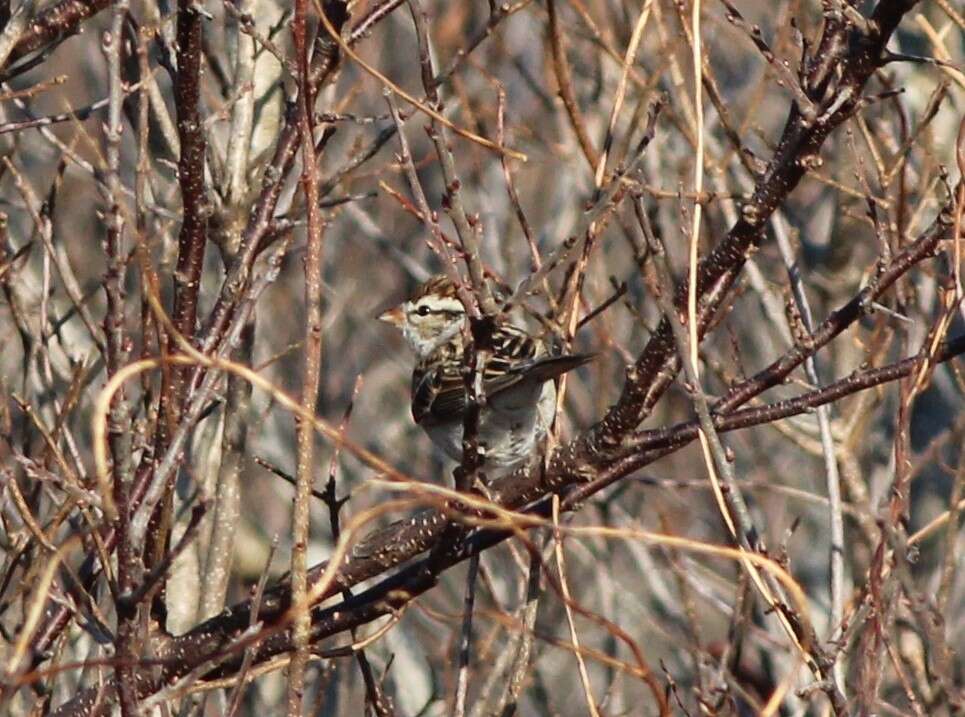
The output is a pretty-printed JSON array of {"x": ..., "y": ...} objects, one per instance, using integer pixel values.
[{"x": 426, "y": 311}]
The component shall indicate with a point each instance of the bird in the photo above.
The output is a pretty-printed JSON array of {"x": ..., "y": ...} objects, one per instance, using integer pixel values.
[{"x": 518, "y": 379}]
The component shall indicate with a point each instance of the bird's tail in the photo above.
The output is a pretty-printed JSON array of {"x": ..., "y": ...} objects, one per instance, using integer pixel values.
[{"x": 547, "y": 369}]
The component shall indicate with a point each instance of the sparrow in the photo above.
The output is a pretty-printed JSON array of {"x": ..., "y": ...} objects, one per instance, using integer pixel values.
[{"x": 518, "y": 372}]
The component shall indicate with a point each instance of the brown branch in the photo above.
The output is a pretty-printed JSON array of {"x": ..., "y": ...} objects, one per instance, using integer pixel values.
[
  {"x": 849, "y": 48},
  {"x": 119, "y": 437},
  {"x": 324, "y": 62},
  {"x": 312, "y": 359},
  {"x": 839, "y": 320},
  {"x": 194, "y": 227},
  {"x": 401, "y": 541},
  {"x": 397, "y": 543},
  {"x": 192, "y": 239},
  {"x": 54, "y": 23},
  {"x": 452, "y": 201},
  {"x": 561, "y": 67},
  {"x": 853, "y": 55},
  {"x": 380, "y": 702}
]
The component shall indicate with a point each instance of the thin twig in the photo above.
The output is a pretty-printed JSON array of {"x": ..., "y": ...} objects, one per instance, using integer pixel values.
[
  {"x": 234, "y": 703},
  {"x": 832, "y": 479},
  {"x": 465, "y": 640},
  {"x": 564, "y": 585},
  {"x": 311, "y": 363},
  {"x": 468, "y": 235},
  {"x": 561, "y": 68}
]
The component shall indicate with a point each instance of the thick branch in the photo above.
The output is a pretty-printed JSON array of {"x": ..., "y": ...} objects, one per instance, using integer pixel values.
[{"x": 56, "y": 22}]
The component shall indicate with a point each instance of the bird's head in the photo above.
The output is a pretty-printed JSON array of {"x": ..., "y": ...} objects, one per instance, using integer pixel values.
[{"x": 432, "y": 317}]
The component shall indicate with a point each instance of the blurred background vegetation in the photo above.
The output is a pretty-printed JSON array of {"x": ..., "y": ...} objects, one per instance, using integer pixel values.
[{"x": 878, "y": 183}]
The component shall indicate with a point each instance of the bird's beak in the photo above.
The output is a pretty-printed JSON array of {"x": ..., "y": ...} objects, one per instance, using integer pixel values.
[{"x": 392, "y": 316}]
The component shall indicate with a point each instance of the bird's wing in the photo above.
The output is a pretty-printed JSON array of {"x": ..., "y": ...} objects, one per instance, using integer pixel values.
[{"x": 439, "y": 391}]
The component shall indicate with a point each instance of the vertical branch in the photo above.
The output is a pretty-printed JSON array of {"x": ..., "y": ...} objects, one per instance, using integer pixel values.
[
  {"x": 227, "y": 506},
  {"x": 380, "y": 702},
  {"x": 511, "y": 187},
  {"x": 235, "y": 700},
  {"x": 480, "y": 332},
  {"x": 114, "y": 279},
  {"x": 950, "y": 562},
  {"x": 324, "y": 63},
  {"x": 119, "y": 434},
  {"x": 242, "y": 114},
  {"x": 311, "y": 364},
  {"x": 464, "y": 476},
  {"x": 958, "y": 481},
  {"x": 191, "y": 245},
  {"x": 567, "y": 602},
  {"x": 698, "y": 188},
  {"x": 468, "y": 234},
  {"x": 151, "y": 338},
  {"x": 194, "y": 226},
  {"x": 238, "y": 153},
  {"x": 465, "y": 639},
  {"x": 524, "y": 643},
  {"x": 832, "y": 479},
  {"x": 628, "y": 60},
  {"x": 565, "y": 81},
  {"x": 727, "y": 491},
  {"x": 437, "y": 242}
]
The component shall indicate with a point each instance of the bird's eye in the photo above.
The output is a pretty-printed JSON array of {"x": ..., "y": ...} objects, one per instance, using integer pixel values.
[{"x": 422, "y": 310}]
